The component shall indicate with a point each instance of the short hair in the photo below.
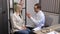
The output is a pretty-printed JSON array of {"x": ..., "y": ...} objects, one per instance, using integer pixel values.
[{"x": 38, "y": 5}]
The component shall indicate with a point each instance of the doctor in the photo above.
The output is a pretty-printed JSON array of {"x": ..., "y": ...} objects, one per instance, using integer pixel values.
[{"x": 39, "y": 18}]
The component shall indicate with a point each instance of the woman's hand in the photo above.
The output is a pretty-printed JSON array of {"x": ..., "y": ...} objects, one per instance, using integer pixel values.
[{"x": 24, "y": 27}]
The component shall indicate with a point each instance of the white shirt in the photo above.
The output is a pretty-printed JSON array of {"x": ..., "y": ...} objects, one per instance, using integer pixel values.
[
  {"x": 18, "y": 22},
  {"x": 39, "y": 20}
]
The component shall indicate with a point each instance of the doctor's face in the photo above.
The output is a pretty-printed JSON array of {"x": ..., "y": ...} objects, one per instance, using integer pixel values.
[{"x": 35, "y": 9}]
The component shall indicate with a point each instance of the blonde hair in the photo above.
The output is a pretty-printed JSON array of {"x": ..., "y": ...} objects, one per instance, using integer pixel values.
[{"x": 15, "y": 6}]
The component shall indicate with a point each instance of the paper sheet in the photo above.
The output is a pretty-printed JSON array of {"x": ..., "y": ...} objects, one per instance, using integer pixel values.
[{"x": 53, "y": 32}]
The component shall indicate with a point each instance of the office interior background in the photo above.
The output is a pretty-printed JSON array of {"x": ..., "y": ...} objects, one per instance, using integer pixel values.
[{"x": 51, "y": 9}]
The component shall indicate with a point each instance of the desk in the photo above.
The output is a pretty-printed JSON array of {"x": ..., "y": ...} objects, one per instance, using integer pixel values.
[{"x": 48, "y": 29}]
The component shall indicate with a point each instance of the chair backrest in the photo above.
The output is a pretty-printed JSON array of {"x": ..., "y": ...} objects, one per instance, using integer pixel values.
[
  {"x": 11, "y": 29},
  {"x": 48, "y": 21},
  {"x": 11, "y": 24}
]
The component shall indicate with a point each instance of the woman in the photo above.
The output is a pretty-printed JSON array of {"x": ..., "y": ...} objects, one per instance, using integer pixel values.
[{"x": 18, "y": 22}]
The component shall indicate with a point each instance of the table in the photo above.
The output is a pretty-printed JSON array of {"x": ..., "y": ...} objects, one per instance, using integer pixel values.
[{"x": 48, "y": 29}]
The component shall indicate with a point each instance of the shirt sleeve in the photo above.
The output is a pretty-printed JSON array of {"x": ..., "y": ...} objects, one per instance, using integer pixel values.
[
  {"x": 39, "y": 20},
  {"x": 36, "y": 21}
]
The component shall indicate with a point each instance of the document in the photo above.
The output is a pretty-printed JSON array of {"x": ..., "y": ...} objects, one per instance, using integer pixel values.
[
  {"x": 53, "y": 32},
  {"x": 37, "y": 29}
]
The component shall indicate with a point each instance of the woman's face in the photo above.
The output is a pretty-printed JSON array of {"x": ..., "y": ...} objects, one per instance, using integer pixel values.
[
  {"x": 20, "y": 5},
  {"x": 19, "y": 8}
]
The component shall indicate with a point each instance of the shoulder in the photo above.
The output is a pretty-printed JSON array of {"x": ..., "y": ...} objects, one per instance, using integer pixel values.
[{"x": 41, "y": 13}]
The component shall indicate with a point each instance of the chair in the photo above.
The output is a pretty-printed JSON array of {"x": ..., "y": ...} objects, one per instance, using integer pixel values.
[
  {"x": 48, "y": 21},
  {"x": 11, "y": 24},
  {"x": 11, "y": 29}
]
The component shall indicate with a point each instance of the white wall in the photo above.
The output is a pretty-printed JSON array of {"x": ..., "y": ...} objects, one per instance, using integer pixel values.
[
  {"x": 50, "y": 5},
  {"x": 17, "y": 1},
  {"x": 30, "y": 9}
]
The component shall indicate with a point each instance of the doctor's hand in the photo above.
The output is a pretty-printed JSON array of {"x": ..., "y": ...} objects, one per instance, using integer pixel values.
[{"x": 28, "y": 15}]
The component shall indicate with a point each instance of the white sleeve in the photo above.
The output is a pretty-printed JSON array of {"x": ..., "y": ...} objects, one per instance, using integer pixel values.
[
  {"x": 36, "y": 21},
  {"x": 39, "y": 21}
]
